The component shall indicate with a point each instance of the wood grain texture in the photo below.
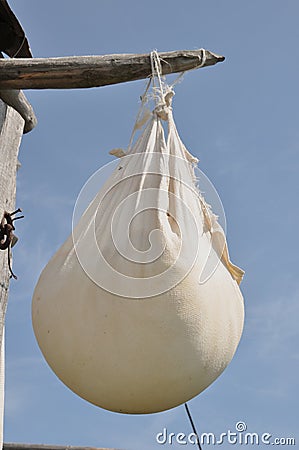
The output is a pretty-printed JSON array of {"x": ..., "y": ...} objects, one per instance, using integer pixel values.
[
  {"x": 11, "y": 131},
  {"x": 94, "y": 71}
]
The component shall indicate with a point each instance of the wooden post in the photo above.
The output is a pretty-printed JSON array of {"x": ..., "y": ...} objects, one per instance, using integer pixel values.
[{"x": 11, "y": 131}]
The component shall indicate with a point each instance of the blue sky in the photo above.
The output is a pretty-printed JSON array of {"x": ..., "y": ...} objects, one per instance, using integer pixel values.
[{"x": 241, "y": 119}]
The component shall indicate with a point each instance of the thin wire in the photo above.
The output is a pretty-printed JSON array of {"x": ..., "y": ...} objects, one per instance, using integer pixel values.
[
  {"x": 192, "y": 425},
  {"x": 23, "y": 41}
]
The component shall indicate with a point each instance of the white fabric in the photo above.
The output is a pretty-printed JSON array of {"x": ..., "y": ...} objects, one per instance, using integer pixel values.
[{"x": 122, "y": 312}]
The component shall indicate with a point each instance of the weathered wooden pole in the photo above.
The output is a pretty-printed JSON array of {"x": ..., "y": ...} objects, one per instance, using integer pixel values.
[
  {"x": 94, "y": 71},
  {"x": 11, "y": 131},
  {"x": 86, "y": 72}
]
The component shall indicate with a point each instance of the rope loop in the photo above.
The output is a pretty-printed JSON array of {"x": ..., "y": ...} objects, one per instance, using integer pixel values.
[{"x": 162, "y": 93}]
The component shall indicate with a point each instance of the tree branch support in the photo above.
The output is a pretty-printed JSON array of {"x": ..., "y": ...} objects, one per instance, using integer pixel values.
[{"x": 17, "y": 100}]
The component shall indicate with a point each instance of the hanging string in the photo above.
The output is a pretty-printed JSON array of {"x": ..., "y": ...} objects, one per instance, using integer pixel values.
[
  {"x": 156, "y": 74},
  {"x": 203, "y": 59},
  {"x": 178, "y": 79},
  {"x": 193, "y": 426},
  {"x": 161, "y": 90}
]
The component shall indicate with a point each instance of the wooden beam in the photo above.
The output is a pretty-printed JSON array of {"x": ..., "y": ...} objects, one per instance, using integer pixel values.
[
  {"x": 47, "y": 447},
  {"x": 95, "y": 71},
  {"x": 11, "y": 130}
]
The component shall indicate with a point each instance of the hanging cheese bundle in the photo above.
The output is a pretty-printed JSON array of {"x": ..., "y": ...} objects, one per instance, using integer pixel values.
[{"x": 140, "y": 309}]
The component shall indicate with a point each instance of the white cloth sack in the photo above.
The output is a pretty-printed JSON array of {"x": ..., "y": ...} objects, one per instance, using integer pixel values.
[{"x": 140, "y": 309}]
